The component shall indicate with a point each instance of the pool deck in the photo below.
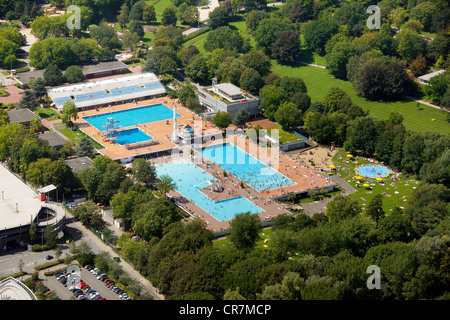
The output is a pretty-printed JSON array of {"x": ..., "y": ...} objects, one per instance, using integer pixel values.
[{"x": 161, "y": 131}]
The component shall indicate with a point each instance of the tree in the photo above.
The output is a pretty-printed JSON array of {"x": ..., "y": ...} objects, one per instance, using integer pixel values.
[
  {"x": 190, "y": 16},
  {"x": 123, "y": 18},
  {"x": 353, "y": 15},
  {"x": 318, "y": 32},
  {"x": 410, "y": 44},
  {"x": 341, "y": 208},
  {"x": 288, "y": 116},
  {"x": 267, "y": 31},
  {"x": 28, "y": 101},
  {"x": 129, "y": 40},
  {"x": 240, "y": 118},
  {"x": 161, "y": 60},
  {"x": 198, "y": 69},
  {"x": 224, "y": 38},
  {"x": 254, "y": 17},
  {"x": 169, "y": 16},
  {"x": 136, "y": 11},
  {"x": 272, "y": 97},
  {"x": 414, "y": 25},
  {"x": 395, "y": 227},
  {"x": 245, "y": 229},
  {"x": 149, "y": 14},
  {"x": 258, "y": 61},
  {"x": 437, "y": 87},
  {"x": 218, "y": 18},
  {"x": 166, "y": 183},
  {"x": 74, "y": 74},
  {"x": 38, "y": 88},
  {"x": 69, "y": 112},
  {"x": 424, "y": 12},
  {"x": 338, "y": 58},
  {"x": 222, "y": 120},
  {"x": 85, "y": 148},
  {"x": 143, "y": 170},
  {"x": 375, "y": 208},
  {"x": 286, "y": 47},
  {"x": 53, "y": 75},
  {"x": 251, "y": 81},
  {"x": 50, "y": 236}
]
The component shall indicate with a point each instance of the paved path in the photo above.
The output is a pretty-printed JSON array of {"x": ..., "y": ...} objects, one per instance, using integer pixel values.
[
  {"x": 320, "y": 206},
  {"x": 15, "y": 94}
]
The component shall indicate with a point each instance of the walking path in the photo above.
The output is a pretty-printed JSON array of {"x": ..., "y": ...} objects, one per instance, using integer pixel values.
[{"x": 321, "y": 205}]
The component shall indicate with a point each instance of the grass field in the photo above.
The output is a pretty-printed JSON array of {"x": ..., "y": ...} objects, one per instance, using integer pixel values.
[
  {"x": 47, "y": 113},
  {"x": 318, "y": 82},
  {"x": 396, "y": 192},
  {"x": 76, "y": 137}
]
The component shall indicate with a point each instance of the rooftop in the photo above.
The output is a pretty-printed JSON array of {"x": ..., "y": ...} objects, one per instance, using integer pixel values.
[
  {"x": 229, "y": 89},
  {"x": 12, "y": 289},
  {"x": 53, "y": 138},
  {"x": 14, "y": 191},
  {"x": 79, "y": 164},
  {"x": 427, "y": 77},
  {"x": 21, "y": 115},
  {"x": 107, "y": 91},
  {"x": 92, "y": 68}
]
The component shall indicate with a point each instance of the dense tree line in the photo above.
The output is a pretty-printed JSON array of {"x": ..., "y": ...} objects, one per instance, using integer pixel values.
[{"x": 334, "y": 252}]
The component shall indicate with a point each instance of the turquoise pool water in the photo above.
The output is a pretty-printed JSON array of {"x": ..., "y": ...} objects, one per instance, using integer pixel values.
[
  {"x": 131, "y": 117},
  {"x": 373, "y": 171},
  {"x": 246, "y": 167},
  {"x": 187, "y": 176},
  {"x": 131, "y": 136}
]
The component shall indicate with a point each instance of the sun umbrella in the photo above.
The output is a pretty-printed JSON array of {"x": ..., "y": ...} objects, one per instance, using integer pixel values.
[
  {"x": 379, "y": 178},
  {"x": 366, "y": 185},
  {"x": 358, "y": 178},
  {"x": 332, "y": 166},
  {"x": 349, "y": 156}
]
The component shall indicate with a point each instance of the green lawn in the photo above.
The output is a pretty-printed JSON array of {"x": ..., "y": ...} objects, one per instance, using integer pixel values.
[
  {"x": 318, "y": 82},
  {"x": 48, "y": 113},
  {"x": 75, "y": 137},
  {"x": 284, "y": 136},
  {"x": 391, "y": 199}
]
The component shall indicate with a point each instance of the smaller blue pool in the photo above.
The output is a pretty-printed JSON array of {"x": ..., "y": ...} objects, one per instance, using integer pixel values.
[
  {"x": 131, "y": 136},
  {"x": 373, "y": 171}
]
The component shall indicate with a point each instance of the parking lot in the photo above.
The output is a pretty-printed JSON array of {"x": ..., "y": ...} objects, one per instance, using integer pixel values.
[{"x": 91, "y": 287}]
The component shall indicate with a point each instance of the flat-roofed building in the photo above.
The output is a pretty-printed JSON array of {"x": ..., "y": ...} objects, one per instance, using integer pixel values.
[
  {"x": 427, "y": 77},
  {"x": 227, "y": 97},
  {"x": 101, "y": 93},
  {"x": 79, "y": 164},
  {"x": 19, "y": 206},
  {"x": 54, "y": 140}
]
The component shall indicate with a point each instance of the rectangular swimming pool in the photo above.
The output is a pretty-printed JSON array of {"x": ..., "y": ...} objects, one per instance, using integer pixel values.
[
  {"x": 132, "y": 117},
  {"x": 131, "y": 136},
  {"x": 187, "y": 176},
  {"x": 246, "y": 167}
]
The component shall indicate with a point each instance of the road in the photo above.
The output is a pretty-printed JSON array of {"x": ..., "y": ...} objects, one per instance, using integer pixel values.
[{"x": 9, "y": 261}]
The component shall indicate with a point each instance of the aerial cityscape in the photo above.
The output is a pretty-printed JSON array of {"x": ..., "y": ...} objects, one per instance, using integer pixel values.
[{"x": 206, "y": 150}]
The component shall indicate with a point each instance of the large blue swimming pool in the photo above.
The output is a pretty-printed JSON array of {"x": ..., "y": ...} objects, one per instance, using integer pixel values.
[
  {"x": 188, "y": 176},
  {"x": 131, "y": 117},
  {"x": 245, "y": 167},
  {"x": 131, "y": 136}
]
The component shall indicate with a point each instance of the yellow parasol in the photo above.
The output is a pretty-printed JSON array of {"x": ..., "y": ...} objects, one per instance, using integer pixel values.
[
  {"x": 349, "y": 156},
  {"x": 379, "y": 178},
  {"x": 366, "y": 185},
  {"x": 332, "y": 166},
  {"x": 358, "y": 178}
]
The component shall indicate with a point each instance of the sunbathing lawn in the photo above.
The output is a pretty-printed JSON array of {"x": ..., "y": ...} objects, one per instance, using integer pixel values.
[
  {"x": 318, "y": 82},
  {"x": 284, "y": 136},
  {"x": 391, "y": 199}
]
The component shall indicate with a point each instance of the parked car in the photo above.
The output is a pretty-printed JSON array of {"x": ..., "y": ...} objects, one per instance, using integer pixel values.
[
  {"x": 117, "y": 259},
  {"x": 49, "y": 257},
  {"x": 88, "y": 267}
]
